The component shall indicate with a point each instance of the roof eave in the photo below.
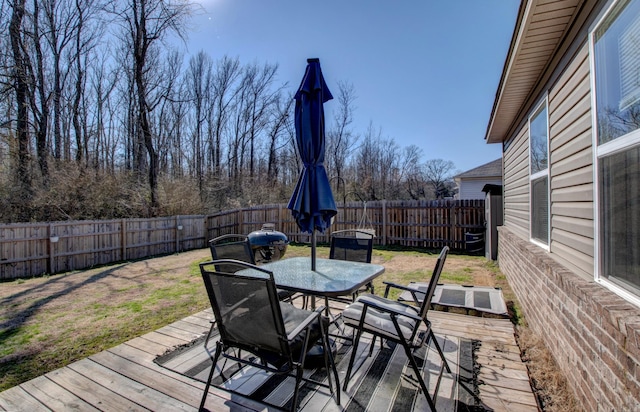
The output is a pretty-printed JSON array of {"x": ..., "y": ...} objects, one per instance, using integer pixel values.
[{"x": 540, "y": 27}]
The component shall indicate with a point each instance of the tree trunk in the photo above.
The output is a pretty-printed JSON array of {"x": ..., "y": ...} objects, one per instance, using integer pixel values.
[{"x": 21, "y": 89}]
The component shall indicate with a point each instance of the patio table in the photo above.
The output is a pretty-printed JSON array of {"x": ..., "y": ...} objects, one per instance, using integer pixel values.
[{"x": 332, "y": 277}]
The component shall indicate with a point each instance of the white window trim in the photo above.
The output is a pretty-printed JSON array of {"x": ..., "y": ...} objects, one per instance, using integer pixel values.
[
  {"x": 617, "y": 145},
  {"x": 537, "y": 175}
]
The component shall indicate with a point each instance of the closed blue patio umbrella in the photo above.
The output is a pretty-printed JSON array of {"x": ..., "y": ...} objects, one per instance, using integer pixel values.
[{"x": 312, "y": 204}]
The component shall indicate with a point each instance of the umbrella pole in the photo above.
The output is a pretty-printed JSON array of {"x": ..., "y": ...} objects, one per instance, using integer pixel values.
[{"x": 313, "y": 249}]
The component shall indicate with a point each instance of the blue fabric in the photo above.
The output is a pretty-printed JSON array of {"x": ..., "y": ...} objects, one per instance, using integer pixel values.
[{"x": 312, "y": 204}]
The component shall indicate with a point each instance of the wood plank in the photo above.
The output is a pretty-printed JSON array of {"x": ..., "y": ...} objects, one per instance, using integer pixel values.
[
  {"x": 507, "y": 395},
  {"x": 499, "y": 334},
  {"x": 92, "y": 392},
  {"x": 496, "y": 380},
  {"x": 150, "y": 373},
  {"x": 144, "y": 360},
  {"x": 520, "y": 373},
  {"x": 129, "y": 388},
  {"x": 500, "y": 362},
  {"x": 179, "y": 333},
  {"x": 152, "y": 348},
  {"x": 55, "y": 396},
  {"x": 509, "y": 352},
  {"x": 191, "y": 328},
  {"x": 202, "y": 319},
  {"x": 164, "y": 339},
  {"x": 469, "y": 332},
  {"x": 182, "y": 391},
  {"x": 17, "y": 399},
  {"x": 497, "y": 404}
]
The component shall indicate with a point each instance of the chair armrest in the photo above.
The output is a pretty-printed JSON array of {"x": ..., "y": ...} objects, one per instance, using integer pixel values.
[
  {"x": 409, "y": 289},
  {"x": 305, "y": 323},
  {"x": 388, "y": 308}
]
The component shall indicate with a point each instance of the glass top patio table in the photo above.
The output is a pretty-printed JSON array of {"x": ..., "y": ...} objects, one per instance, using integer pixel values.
[{"x": 332, "y": 277}]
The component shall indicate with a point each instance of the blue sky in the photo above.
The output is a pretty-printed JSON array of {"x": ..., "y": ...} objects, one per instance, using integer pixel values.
[{"x": 425, "y": 72}]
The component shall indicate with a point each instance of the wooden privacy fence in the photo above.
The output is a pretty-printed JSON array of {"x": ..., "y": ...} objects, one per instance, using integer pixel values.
[{"x": 33, "y": 249}]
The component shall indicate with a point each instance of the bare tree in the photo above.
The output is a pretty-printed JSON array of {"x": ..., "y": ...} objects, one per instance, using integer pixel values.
[
  {"x": 103, "y": 82},
  {"x": 147, "y": 23},
  {"x": 261, "y": 97},
  {"x": 226, "y": 73},
  {"x": 340, "y": 138},
  {"x": 21, "y": 87},
  {"x": 86, "y": 30},
  {"x": 439, "y": 173},
  {"x": 199, "y": 78},
  {"x": 282, "y": 111},
  {"x": 412, "y": 177},
  {"x": 368, "y": 164},
  {"x": 39, "y": 93}
]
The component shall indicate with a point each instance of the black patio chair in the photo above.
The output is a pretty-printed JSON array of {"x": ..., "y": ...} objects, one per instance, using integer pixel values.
[
  {"x": 397, "y": 322},
  {"x": 233, "y": 246},
  {"x": 353, "y": 245},
  {"x": 251, "y": 318},
  {"x": 237, "y": 247}
]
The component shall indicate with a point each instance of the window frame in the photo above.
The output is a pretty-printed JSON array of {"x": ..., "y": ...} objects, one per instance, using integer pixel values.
[
  {"x": 544, "y": 104},
  {"x": 619, "y": 144}
]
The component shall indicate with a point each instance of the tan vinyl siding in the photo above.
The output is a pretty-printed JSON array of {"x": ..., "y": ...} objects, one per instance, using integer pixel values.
[
  {"x": 516, "y": 184},
  {"x": 571, "y": 171}
]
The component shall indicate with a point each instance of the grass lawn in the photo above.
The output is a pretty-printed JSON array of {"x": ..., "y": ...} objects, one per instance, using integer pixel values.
[{"x": 51, "y": 321}]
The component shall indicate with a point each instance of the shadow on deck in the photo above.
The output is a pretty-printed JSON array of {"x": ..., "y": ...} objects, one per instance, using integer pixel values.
[{"x": 487, "y": 375}]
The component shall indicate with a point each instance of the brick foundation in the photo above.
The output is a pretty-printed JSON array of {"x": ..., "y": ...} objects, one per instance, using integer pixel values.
[{"x": 593, "y": 333}]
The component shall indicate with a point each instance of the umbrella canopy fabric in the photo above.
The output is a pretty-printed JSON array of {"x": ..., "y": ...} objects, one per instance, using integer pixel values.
[{"x": 312, "y": 204}]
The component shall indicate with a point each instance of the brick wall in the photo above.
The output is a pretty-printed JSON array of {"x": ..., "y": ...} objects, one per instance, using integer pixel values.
[{"x": 593, "y": 334}]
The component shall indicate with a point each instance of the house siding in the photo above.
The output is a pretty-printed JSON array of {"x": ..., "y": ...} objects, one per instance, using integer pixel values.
[
  {"x": 571, "y": 166},
  {"x": 570, "y": 170},
  {"x": 516, "y": 184},
  {"x": 593, "y": 333}
]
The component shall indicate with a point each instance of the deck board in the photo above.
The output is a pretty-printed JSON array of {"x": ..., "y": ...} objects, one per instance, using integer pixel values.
[
  {"x": 126, "y": 378},
  {"x": 18, "y": 399},
  {"x": 54, "y": 396},
  {"x": 131, "y": 389},
  {"x": 91, "y": 391}
]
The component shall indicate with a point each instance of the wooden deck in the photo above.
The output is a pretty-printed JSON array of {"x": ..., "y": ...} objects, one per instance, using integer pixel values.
[{"x": 126, "y": 378}]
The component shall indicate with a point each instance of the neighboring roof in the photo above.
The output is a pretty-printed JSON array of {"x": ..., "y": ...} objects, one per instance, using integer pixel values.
[
  {"x": 491, "y": 169},
  {"x": 536, "y": 44}
]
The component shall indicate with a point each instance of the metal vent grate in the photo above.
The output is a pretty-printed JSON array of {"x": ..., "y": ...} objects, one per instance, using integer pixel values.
[{"x": 480, "y": 298}]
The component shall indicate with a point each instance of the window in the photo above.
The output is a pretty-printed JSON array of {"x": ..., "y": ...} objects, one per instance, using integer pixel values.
[
  {"x": 539, "y": 175},
  {"x": 615, "y": 43}
]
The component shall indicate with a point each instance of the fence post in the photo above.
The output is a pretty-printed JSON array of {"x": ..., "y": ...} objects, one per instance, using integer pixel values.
[
  {"x": 177, "y": 230},
  {"x": 123, "y": 240},
  {"x": 205, "y": 225},
  {"x": 384, "y": 223},
  {"x": 50, "y": 243}
]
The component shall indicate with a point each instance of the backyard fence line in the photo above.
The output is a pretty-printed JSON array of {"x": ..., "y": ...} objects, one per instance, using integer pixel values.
[{"x": 33, "y": 249}]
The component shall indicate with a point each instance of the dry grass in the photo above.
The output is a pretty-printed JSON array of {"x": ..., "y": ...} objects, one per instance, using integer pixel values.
[{"x": 549, "y": 385}]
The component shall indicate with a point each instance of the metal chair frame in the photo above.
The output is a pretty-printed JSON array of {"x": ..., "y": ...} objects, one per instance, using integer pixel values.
[
  {"x": 278, "y": 347},
  {"x": 383, "y": 307}
]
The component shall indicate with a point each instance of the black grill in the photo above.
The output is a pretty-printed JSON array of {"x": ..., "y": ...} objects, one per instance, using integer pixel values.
[{"x": 268, "y": 244}]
